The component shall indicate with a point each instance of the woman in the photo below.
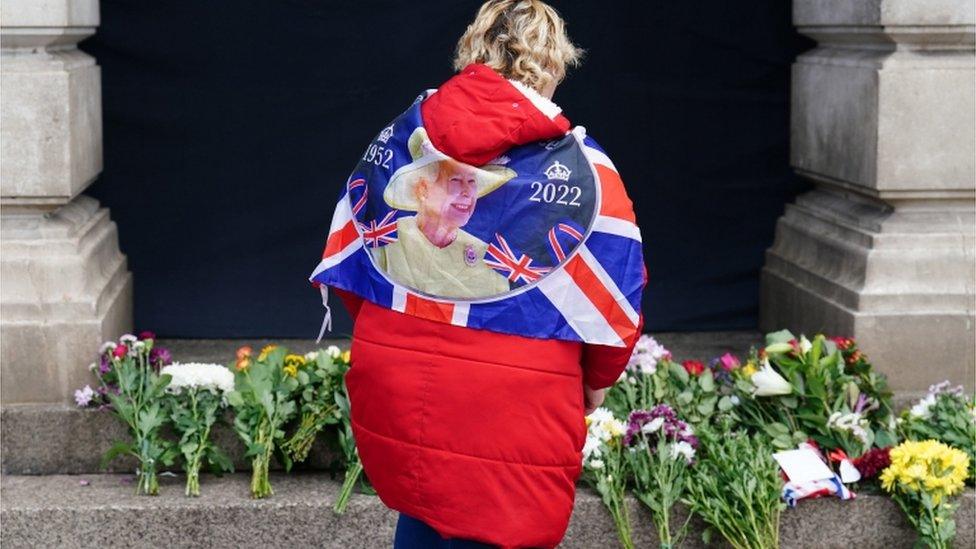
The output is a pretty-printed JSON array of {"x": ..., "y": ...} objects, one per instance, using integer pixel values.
[{"x": 469, "y": 415}]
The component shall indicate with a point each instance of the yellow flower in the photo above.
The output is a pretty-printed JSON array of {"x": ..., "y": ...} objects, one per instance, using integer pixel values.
[
  {"x": 292, "y": 363},
  {"x": 265, "y": 351},
  {"x": 749, "y": 369},
  {"x": 928, "y": 466},
  {"x": 346, "y": 356}
]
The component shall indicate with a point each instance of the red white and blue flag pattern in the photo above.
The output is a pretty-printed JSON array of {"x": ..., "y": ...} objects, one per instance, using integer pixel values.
[{"x": 572, "y": 256}]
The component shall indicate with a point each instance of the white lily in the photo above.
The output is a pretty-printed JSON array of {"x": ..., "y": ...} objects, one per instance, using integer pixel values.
[{"x": 770, "y": 383}]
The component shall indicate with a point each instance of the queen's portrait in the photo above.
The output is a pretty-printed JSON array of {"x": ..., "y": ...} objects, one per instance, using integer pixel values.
[{"x": 432, "y": 253}]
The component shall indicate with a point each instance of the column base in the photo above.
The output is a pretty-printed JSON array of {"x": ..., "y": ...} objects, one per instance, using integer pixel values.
[
  {"x": 66, "y": 289},
  {"x": 896, "y": 276}
]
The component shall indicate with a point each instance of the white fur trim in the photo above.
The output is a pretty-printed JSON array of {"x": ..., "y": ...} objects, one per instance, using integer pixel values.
[{"x": 547, "y": 107}]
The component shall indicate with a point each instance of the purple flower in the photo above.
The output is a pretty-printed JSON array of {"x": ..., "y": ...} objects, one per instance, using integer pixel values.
[
  {"x": 104, "y": 366},
  {"x": 656, "y": 422},
  {"x": 83, "y": 396},
  {"x": 160, "y": 356}
]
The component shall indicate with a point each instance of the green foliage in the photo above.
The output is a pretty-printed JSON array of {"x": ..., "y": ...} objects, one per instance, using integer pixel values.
[{"x": 735, "y": 487}]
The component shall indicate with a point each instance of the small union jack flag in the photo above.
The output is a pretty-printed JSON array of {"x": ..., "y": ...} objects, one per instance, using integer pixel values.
[
  {"x": 515, "y": 266},
  {"x": 358, "y": 204},
  {"x": 380, "y": 233},
  {"x": 563, "y": 237}
]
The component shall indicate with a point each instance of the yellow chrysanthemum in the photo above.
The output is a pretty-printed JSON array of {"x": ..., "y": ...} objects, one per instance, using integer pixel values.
[
  {"x": 346, "y": 356},
  {"x": 291, "y": 370},
  {"x": 265, "y": 351},
  {"x": 749, "y": 369},
  {"x": 928, "y": 466}
]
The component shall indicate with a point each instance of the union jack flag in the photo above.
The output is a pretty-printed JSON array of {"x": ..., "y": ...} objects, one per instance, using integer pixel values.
[
  {"x": 515, "y": 266},
  {"x": 376, "y": 234}
]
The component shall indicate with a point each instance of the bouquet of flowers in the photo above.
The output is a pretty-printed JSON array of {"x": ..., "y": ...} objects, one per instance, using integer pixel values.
[
  {"x": 605, "y": 467},
  {"x": 262, "y": 400},
  {"x": 660, "y": 448},
  {"x": 945, "y": 415},
  {"x": 130, "y": 383},
  {"x": 88, "y": 397},
  {"x": 695, "y": 390},
  {"x": 196, "y": 394},
  {"x": 735, "y": 487},
  {"x": 319, "y": 376},
  {"x": 823, "y": 389},
  {"x": 921, "y": 479}
]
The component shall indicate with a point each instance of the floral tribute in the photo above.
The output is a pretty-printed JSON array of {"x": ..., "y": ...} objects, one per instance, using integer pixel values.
[
  {"x": 922, "y": 478},
  {"x": 197, "y": 395},
  {"x": 131, "y": 385},
  {"x": 660, "y": 449},
  {"x": 263, "y": 403},
  {"x": 605, "y": 467}
]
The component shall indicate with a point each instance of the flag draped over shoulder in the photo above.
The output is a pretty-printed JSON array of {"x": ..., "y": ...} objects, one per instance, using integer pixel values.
[{"x": 546, "y": 244}]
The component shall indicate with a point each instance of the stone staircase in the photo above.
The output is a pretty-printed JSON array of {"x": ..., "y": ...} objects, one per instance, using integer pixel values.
[{"x": 53, "y": 492}]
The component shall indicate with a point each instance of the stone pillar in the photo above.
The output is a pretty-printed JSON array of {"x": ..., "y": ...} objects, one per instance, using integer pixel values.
[
  {"x": 66, "y": 287},
  {"x": 883, "y": 248}
]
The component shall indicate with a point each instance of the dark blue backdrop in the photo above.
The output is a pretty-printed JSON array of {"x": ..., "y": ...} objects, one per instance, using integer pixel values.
[{"x": 230, "y": 127}]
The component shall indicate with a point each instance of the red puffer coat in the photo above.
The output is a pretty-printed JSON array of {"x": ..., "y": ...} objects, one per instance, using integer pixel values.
[{"x": 479, "y": 434}]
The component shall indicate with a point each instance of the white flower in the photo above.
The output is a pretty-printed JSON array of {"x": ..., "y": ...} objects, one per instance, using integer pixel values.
[
  {"x": 647, "y": 353},
  {"x": 632, "y": 380},
  {"x": 769, "y": 383},
  {"x": 208, "y": 377},
  {"x": 653, "y": 425},
  {"x": 683, "y": 449},
  {"x": 735, "y": 400},
  {"x": 852, "y": 423},
  {"x": 128, "y": 338},
  {"x": 921, "y": 409},
  {"x": 139, "y": 345},
  {"x": 92, "y": 367},
  {"x": 333, "y": 351},
  {"x": 311, "y": 356},
  {"x": 84, "y": 396},
  {"x": 805, "y": 344},
  {"x": 596, "y": 464},
  {"x": 107, "y": 346}
]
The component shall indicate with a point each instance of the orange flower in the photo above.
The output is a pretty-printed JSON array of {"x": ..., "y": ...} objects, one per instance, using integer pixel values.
[
  {"x": 244, "y": 352},
  {"x": 243, "y": 363}
]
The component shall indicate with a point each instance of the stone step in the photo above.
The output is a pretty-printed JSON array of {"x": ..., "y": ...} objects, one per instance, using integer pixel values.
[
  {"x": 76, "y": 511},
  {"x": 45, "y": 439}
]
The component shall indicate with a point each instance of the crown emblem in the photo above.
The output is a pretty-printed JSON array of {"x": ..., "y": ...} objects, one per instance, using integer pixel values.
[
  {"x": 558, "y": 171},
  {"x": 386, "y": 134}
]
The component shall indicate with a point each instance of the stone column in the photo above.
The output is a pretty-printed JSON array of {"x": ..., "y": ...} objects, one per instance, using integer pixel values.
[
  {"x": 66, "y": 287},
  {"x": 883, "y": 248}
]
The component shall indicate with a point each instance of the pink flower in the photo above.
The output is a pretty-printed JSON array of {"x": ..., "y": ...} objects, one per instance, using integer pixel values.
[
  {"x": 146, "y": 334},
  {"x": 120, "y": 351},
  {"x": 729, "y": 362},
  {"x": 694, "y": 367}
]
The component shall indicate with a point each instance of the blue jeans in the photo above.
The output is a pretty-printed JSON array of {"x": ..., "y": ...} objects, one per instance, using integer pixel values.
[{"x": 414, "y": 534}]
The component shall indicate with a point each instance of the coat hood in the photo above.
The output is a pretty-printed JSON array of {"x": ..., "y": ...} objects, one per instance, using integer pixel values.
[{"x": 478, "y": 114}]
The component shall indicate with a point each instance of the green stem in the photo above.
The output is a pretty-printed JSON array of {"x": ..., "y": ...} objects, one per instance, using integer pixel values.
[{"x": 352, "y": 476}]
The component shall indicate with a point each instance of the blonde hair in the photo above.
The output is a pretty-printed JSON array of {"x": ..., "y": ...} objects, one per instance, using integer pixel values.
[{"x": 524, "y": 40}]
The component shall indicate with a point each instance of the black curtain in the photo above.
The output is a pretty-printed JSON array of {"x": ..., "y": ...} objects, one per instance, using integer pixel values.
[{"x": 230, "y": 127}]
